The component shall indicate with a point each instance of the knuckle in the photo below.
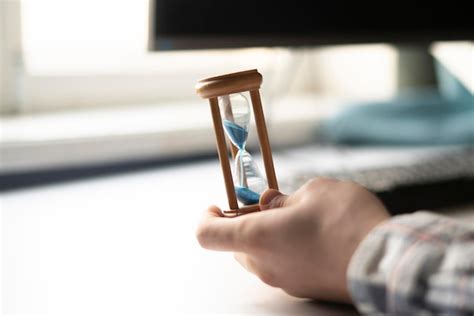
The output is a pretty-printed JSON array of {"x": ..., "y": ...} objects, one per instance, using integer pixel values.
[
  {"x": 296, "y": 293},
  {"x": 201, "y": 236},
  {"x": 312, "y": 183},
  {"x": 318, "y": 182},
  {"x": 353, "y": 188},
  {"x": 242, "y": 259},
  {"x": 277, "y": 202},
  {"x": 267, "y": 278},
  {"x": 351, "y": 184},
  {"x": 237, "y": 257}
]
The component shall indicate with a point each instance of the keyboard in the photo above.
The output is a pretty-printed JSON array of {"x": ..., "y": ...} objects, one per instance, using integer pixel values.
[{"x": 430, "y": 183}]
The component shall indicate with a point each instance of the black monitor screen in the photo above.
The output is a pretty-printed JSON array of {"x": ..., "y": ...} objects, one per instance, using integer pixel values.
[{"x": 182, "y": 24}]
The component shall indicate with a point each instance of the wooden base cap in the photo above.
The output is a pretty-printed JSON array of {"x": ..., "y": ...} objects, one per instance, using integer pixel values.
[{"x": 242, "y": 211}]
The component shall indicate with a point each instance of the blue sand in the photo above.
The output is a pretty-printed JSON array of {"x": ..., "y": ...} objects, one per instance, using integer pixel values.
[
  {"x": 246, "y": 196},
  {"x": 236, "y": 133}
]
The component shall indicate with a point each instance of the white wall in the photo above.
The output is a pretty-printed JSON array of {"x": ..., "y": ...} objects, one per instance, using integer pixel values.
[{"x": 10, "y": 55}]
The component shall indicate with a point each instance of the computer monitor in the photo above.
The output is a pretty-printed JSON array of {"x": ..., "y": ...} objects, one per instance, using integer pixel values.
[{"x": 200, "y": 24}]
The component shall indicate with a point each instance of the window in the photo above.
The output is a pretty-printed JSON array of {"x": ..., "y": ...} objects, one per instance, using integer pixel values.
[
  {"x": 90, "y": 53},
  {"x": 81, "y": 84}
]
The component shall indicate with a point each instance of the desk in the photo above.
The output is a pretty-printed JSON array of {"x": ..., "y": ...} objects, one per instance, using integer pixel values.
[{"x": 125, "y": 244}]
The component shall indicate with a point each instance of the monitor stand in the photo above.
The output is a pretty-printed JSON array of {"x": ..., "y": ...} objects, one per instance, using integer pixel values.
[{"x": 415, "y": 67}]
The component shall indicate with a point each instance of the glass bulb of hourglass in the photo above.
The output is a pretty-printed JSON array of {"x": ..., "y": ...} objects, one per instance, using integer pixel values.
[{"x": 249, "y": 181}]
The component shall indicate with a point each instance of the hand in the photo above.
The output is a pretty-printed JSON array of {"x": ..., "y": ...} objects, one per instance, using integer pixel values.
[{"x": 301, "y": 243}]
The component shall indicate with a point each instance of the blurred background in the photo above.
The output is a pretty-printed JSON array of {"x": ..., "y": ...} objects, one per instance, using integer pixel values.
[
  {"x": 75, "y": 87},
  {"x": 102, "y": 132}
]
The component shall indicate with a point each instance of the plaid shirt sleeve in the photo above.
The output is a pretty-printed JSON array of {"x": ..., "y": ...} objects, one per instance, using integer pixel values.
[{"x": 417, "y": 264}]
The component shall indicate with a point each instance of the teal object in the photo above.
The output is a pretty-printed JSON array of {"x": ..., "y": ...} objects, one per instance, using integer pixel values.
[
  {"x": 246, "y": 196},
  {"x": 421, "y": 119},
  {"x": 237, "y": 134},
  {"x": 441, "y": 116}
]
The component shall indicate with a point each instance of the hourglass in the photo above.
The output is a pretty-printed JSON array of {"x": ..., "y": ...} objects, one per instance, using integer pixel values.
[{"x": 231, "y": 113}]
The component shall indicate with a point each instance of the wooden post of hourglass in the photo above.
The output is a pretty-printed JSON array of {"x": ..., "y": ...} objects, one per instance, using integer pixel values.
[{"x": 211, "y": 89}]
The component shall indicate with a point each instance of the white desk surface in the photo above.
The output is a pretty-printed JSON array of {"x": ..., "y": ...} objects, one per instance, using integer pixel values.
[{"x": 125, "y": 244}]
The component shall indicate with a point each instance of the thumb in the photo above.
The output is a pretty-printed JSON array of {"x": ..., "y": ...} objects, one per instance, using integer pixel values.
[{"x": 272, "y": 198}]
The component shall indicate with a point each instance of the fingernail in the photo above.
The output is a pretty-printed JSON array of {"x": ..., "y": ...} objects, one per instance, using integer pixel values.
[{"x": 267, "y": 197}]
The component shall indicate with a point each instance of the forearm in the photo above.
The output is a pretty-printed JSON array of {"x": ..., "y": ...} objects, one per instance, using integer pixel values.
[{"x": 414, "y": 263}]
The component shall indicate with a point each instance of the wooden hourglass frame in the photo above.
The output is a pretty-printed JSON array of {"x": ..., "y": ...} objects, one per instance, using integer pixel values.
[{"x": 214, "y": 87}]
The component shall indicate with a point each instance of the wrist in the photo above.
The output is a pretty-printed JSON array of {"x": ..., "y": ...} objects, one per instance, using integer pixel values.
[{"x": 359, "y": 250}]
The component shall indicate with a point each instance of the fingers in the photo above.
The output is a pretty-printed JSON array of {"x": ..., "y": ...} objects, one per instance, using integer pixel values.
[
  {"x": 241, "y": 233},
  {"x": 272, "y": 199},
  {"x": 244, "y": 261},
  {"x": 217, "y": 232}
]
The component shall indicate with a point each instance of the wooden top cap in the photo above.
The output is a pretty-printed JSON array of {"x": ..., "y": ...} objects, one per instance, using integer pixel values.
[{"x": 229, "y": 83}]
